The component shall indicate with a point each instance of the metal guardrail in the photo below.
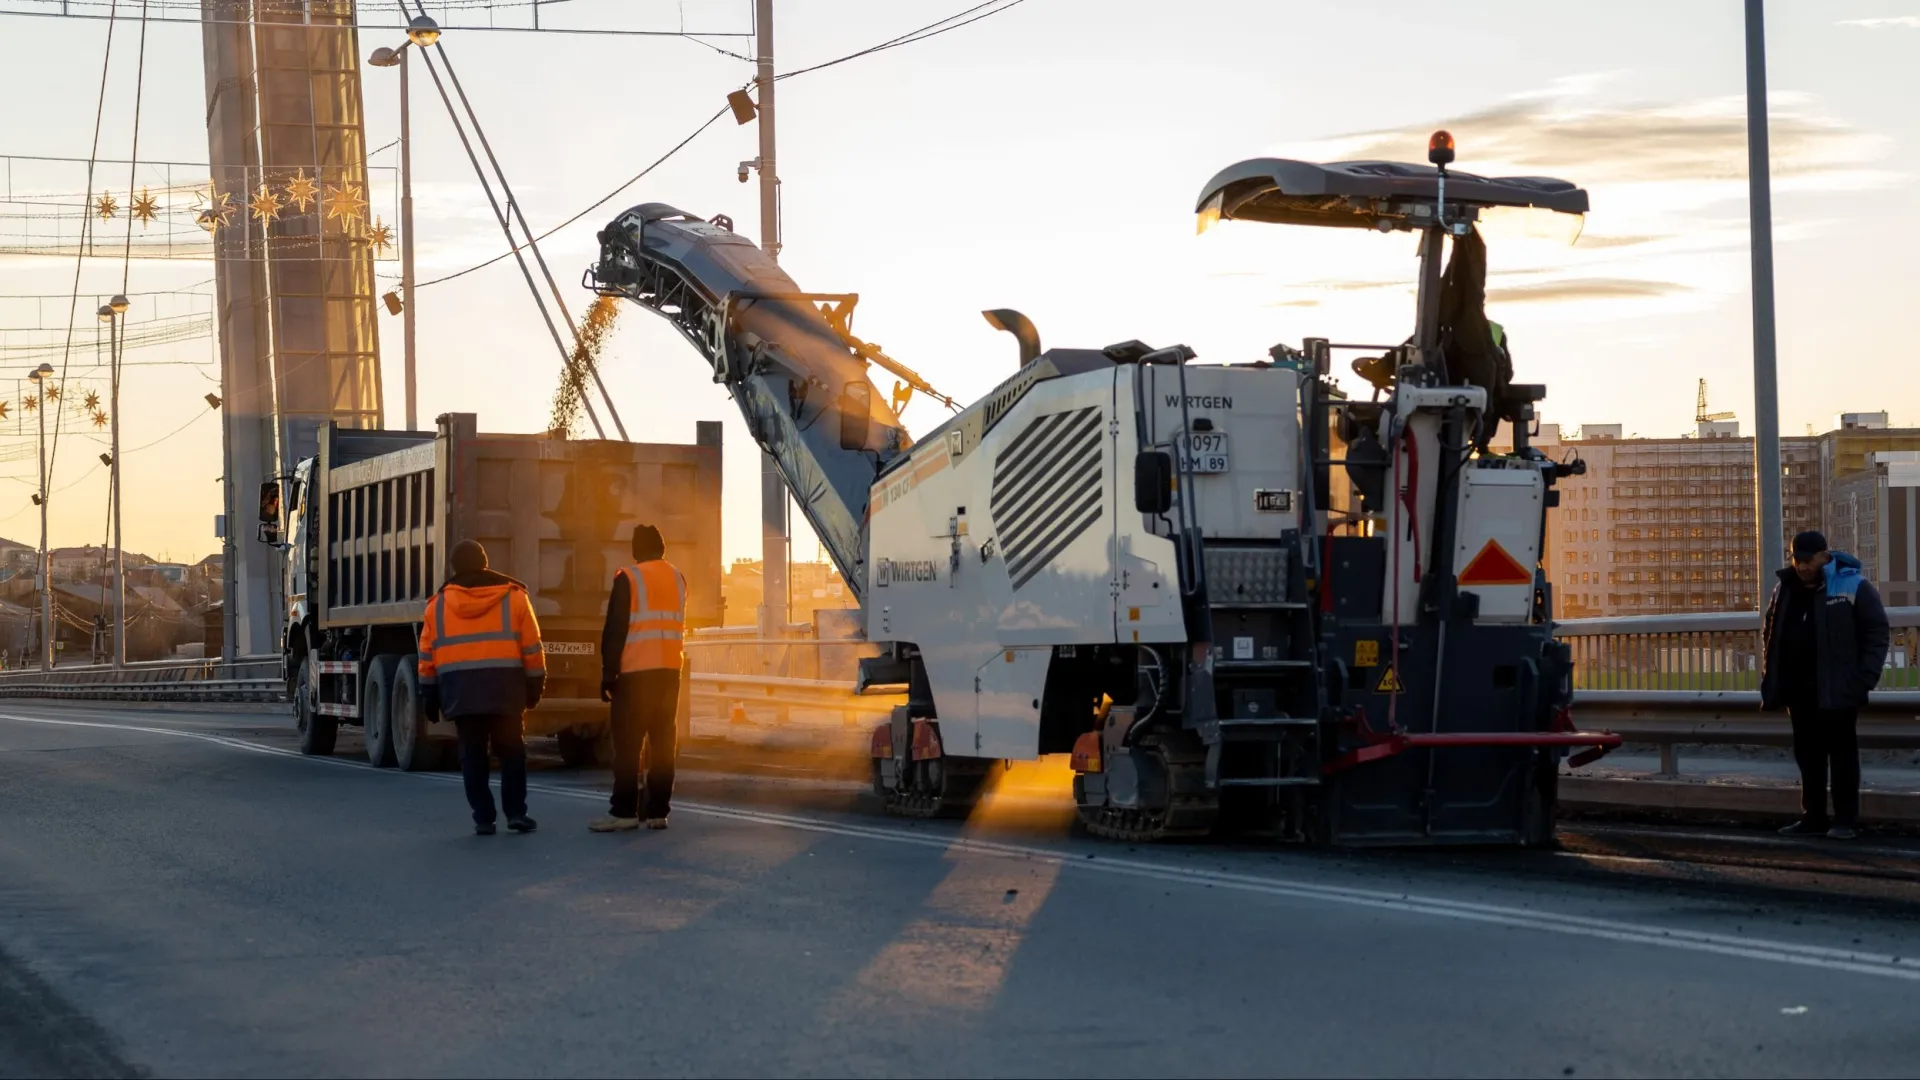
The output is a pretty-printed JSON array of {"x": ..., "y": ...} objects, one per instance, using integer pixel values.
[
  {"x": 248, "y": 678},
  {"x": 730, "y": 695}
]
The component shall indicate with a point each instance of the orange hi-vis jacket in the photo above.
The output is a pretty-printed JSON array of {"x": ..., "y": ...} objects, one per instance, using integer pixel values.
[
  {"x": 480, "y": 647},
  {"x": 657, "y": 617}
]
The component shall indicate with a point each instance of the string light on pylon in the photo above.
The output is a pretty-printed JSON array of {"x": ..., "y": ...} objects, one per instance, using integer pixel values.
[{"x": 382, "y": 235}]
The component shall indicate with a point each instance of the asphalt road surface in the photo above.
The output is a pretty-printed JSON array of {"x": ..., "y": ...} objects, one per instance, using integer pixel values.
[{"x": 182, "y": 894}]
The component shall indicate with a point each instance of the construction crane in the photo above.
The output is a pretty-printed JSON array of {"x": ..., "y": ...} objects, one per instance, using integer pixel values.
[{"x": 1700, "y": 413}]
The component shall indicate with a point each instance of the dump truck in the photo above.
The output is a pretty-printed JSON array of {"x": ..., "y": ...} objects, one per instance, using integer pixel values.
[{"x": 368, "y": 524}]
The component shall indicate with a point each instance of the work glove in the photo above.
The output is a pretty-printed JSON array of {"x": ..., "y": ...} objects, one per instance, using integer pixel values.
[
  {"x": 536, "y": 686},
  {"x": 606, "y": 687}
]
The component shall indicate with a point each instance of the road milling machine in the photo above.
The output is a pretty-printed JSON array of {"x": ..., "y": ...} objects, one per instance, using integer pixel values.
[{"x": 1238, "y": 598}]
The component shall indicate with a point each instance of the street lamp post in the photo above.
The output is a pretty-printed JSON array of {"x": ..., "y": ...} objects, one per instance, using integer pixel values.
[
  {"x": 421, "y": 31},
  {"x": 39, "y": 376},
  {"x": 114, "y": 314}
]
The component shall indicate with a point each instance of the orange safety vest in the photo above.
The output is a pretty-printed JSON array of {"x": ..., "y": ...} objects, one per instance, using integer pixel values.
[
  {"x": 657, "y": 619},
  {"x": 469, "y": 629}
]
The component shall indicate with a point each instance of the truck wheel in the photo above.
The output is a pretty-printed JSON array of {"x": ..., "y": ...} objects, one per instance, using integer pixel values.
[
  {"x": 413, "y": 749},
  {"x": 586, "y": 750},
  {"x": 317, "y": 732},
  {"x": 374, "y": 707}
]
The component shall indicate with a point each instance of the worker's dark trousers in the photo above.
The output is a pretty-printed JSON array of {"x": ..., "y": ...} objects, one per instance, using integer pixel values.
[
  {"x": 644, "y": 703},
  {"x": 510, "y": 746},
  {"x": 1823, "y": 739}
]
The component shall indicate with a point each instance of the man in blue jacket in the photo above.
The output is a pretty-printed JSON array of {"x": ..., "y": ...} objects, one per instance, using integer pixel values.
[{"x": 1823, "y": 645}]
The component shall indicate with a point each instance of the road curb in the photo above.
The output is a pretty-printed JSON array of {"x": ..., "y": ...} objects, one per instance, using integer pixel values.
[{"x": 1684, "y": 798}]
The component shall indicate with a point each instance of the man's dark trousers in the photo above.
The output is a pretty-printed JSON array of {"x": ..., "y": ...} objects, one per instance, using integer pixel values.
[
  {"x": 510, "y": 746},
  {"x": 644, "y": 706},
  {"x": 1823, "y": 737}
]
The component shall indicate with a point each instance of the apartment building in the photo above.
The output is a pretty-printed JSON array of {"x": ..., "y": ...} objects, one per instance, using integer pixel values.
[
  {"x": 1661, "y": 526},
  {"x": 1876, "y": 516}
]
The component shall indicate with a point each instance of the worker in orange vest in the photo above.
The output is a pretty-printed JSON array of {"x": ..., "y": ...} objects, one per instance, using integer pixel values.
[
  {"x": 641, "y": 647},
  {"x": 482, "y": 666}
]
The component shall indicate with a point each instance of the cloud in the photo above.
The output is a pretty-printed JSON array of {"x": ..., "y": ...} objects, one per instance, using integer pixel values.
[
  {"x": 1901, "y": 22},
  {"x": 1589, "y": 240},
  {"x": 1593, "y": 288},
  {"x": 1564, "y": 130}
]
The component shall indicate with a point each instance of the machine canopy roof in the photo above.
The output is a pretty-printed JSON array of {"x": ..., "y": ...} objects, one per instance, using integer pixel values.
[{"x": 1369, "y": 194}]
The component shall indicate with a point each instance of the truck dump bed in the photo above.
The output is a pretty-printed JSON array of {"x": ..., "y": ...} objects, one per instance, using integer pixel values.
[{"x": 557, "y": 515}]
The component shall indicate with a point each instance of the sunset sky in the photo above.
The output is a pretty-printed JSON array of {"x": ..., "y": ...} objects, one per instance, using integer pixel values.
[{"x": 1048, "y": 159}]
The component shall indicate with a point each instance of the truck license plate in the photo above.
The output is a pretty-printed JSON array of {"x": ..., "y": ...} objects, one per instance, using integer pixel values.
[
  {"x": 1205, "y": 452},
  {"x": 569, "y": 648}
]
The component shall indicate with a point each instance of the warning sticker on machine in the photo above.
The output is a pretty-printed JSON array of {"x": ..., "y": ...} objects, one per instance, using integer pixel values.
[
  {"x": 1366, "y": 654},
  {"x": 1389, "y": 683}
]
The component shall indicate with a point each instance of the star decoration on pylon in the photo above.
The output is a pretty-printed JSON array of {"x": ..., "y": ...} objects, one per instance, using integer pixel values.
[
  {"x": 302, "y": 192},
  {"x": 265, "y": 204},
  {"x": 382, "y": 236},
  {"x": 5, "y": 408},
  {"x": 99, "y": 420},
  {"x": 345, "y": 202},
  {"x": 93, "y": 401},
  {"x": 53, "y": 392},
  {"x": 213, "y": 208},
  {"x": 106, "y": 206},
  {"x": 145, "y": 208},
  {"x": 30, "y": 403}
]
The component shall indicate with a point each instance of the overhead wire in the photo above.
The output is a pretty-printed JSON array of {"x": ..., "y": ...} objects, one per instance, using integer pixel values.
[
  {"x": 566, "y": 354},
  {"x": 86, "y": 230},
  {"x": 913, "y": 36},
  {"x": 930, "y": 30},
  {"x": 513, "y": 205},
  {"x": 200, "y": 20}
]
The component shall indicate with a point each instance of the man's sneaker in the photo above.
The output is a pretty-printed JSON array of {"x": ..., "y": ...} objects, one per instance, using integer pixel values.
[
  {"x": 614, "y": 824},
  {"x": 1841, "y": 832},
  {"x": 1803, "y": 828},
  {"x": 523, "y": 823},
  {"x": 483, "y": 828},
  {"x": 656, "y": 823}
]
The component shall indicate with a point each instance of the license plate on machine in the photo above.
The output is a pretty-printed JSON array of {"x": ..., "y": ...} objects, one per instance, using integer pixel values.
[{"x": 1205, "y": 452}]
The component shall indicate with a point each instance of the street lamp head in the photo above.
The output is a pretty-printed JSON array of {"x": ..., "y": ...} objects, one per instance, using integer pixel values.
[
  {"x": 384, "y": 57},
  {"x": 423, "y": 31},
  {"x": 42, "y": 372},
  {"x": 106, "y": 313},
  {"x": 119, "y": 304}
]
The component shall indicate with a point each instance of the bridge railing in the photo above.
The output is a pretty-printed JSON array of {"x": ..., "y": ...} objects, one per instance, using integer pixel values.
[
  {"x": 1706, "y": 652},
  {"x": 247, "y": 678}
]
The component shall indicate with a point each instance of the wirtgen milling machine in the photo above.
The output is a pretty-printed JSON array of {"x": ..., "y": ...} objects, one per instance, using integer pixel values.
[{"x": 1238, "y": 598}]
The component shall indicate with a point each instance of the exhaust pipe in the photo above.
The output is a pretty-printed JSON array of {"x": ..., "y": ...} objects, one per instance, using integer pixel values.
[{"x": 1020, "y": 327}]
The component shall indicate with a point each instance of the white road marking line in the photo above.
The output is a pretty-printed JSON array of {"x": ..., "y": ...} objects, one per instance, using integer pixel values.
[
  {"x": 1778, "y": 843},
  {"x": 1761, "y": 949}
]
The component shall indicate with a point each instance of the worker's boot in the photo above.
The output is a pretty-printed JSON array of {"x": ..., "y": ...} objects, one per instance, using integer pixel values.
[
  {"x": 657, "y": 822},
  {"x": 522, "y": 824},
  {"x": 614, "y": 824}
]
